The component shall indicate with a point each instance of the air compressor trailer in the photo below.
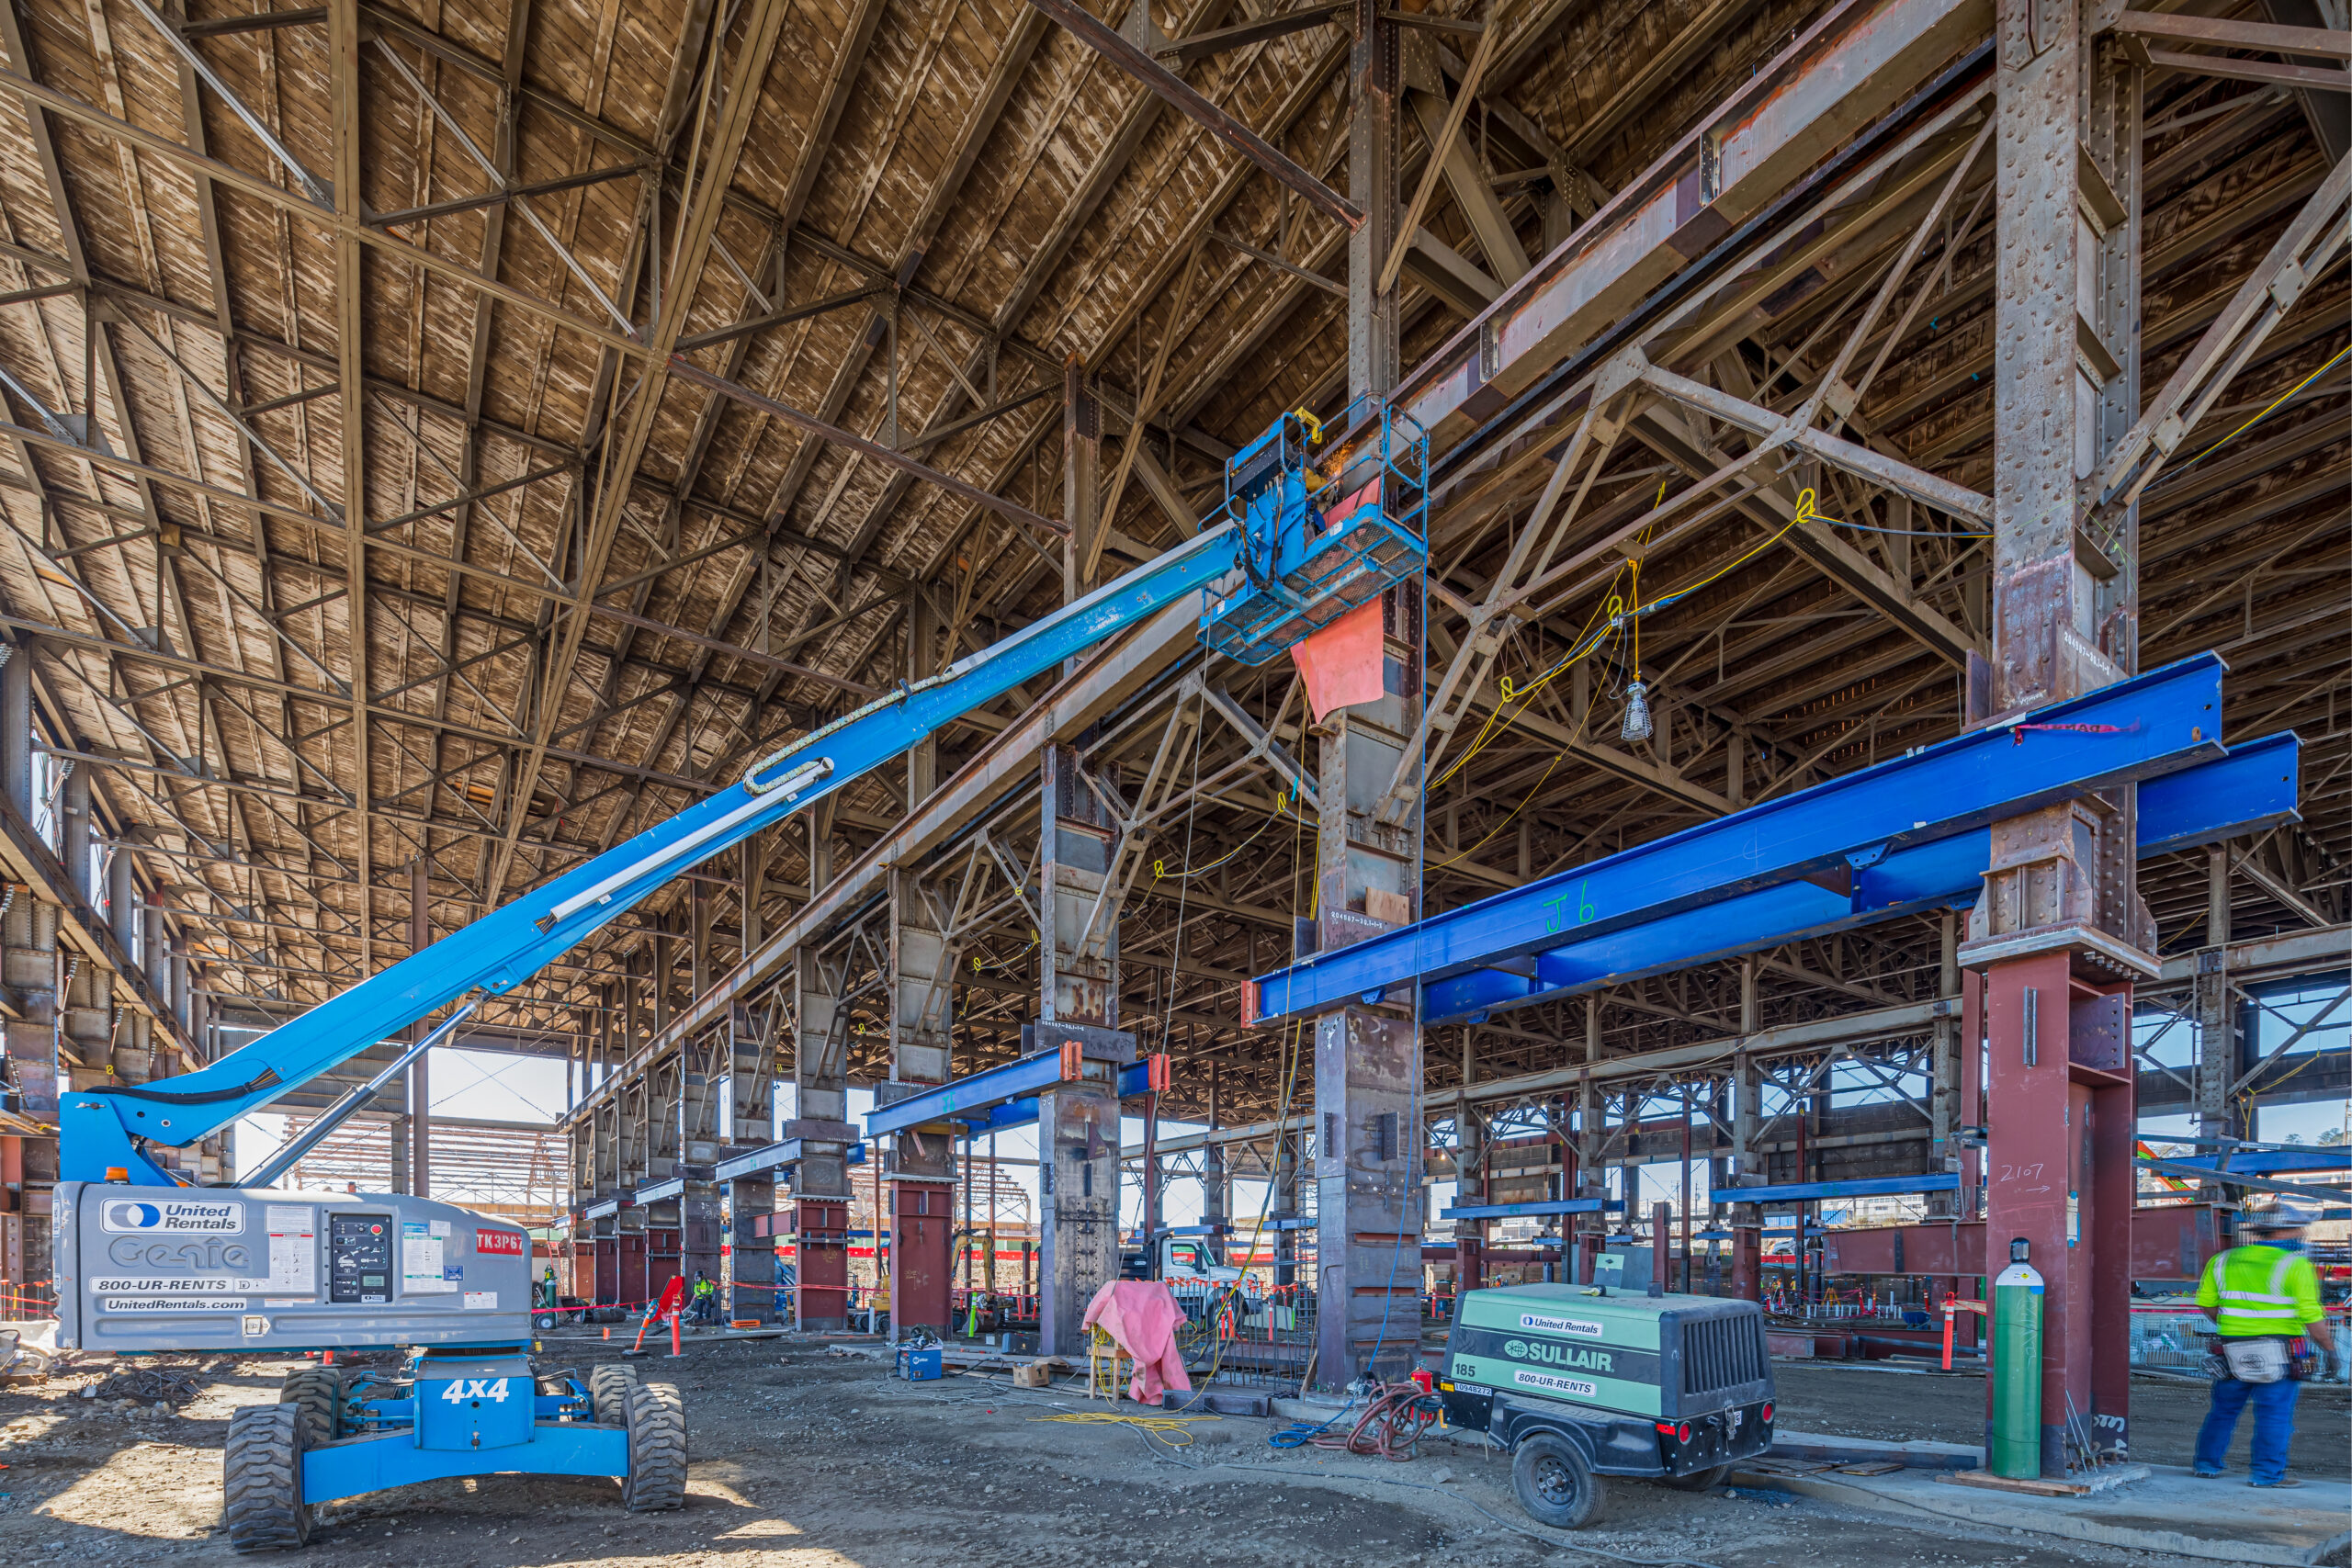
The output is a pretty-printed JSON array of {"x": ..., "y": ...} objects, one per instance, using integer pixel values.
[{"x": 1582, "y": 1381}]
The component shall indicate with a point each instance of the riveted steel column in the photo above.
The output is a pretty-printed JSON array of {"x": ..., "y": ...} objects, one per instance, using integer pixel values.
[
  {"x": 1368, "y": 1071},
  {"x": 1943, "y": 1080},
  {"x": 2061, "y": 933},
  {"x": 1077, "y": 943},
  {"x": 420, "y": 1080},
  {"x": 1078, "y": 1001},
  {"x": 750, "y": 1122},
  {"x": 1469, "y": 1179},
  {"x": 921, "y": 1164},
  {"x": 820, "y": 1189},
  {"x": 2220, "y": 1048},
  {"x": 1077, "y": 1185}
]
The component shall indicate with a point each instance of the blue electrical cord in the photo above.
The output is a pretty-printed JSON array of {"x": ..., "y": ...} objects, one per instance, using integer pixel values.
[{"x": 1298, "y": 1434}]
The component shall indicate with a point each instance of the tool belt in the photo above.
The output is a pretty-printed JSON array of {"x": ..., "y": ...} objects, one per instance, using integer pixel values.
[{"x": 2257, "y": 1358}]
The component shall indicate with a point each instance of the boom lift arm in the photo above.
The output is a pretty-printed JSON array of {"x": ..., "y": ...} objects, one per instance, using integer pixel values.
[{"x": 1274, "y": 570}]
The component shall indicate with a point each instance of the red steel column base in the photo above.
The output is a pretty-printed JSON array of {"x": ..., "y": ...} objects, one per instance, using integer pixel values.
[
  {"x": 922, "y": 1265},
  {"x": 820, "y": 1265},
  {"x": 2059, "y": 1174}
]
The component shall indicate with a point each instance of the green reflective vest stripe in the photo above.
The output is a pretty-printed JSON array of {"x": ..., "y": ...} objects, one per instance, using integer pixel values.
[{"x": 2256, "y": 1290}]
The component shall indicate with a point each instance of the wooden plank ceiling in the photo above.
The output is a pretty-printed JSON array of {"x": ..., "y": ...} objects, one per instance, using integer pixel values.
[{"x": 576, "y": 591}]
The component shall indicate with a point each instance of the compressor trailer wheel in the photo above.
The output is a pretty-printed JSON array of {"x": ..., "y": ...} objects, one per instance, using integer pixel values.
[{"x": 1555, "y": 1483}]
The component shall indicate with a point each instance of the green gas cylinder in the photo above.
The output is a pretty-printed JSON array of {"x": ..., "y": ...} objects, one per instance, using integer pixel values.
[{"x": 2015, "y": 1439}]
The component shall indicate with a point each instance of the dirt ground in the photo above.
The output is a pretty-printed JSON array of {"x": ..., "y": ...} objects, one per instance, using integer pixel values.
[{"x": 809, "y": 1458}]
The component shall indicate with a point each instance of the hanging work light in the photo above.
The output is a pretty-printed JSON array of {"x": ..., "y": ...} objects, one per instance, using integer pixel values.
[{"x": 1637, "y": 713}]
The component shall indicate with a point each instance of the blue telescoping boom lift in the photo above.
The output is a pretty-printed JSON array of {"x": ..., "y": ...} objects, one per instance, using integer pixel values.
[{"x": 145, "y": 1262}]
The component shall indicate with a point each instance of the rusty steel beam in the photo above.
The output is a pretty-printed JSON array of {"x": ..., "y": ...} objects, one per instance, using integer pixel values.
[
  {"x": 1138, "y": 63},
  {"x": 1861, "y": 59}
]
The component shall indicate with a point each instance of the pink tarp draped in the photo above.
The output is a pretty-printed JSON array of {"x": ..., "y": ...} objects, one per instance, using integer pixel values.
[{"x": 1142, "y": 1317}]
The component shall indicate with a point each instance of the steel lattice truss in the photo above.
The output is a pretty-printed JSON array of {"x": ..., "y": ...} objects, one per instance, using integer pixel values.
[{"x": 358, "y": 515}]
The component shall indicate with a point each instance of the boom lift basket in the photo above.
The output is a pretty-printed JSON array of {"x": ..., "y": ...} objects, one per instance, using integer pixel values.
[{"x": 1322, "y": 538}]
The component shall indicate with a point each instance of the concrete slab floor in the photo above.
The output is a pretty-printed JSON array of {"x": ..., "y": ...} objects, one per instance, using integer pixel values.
[
  {"x": 808, "y": 1459},
  {"x": 1872, "y": 1400},
  {"x": 2172, "y": 1511}
]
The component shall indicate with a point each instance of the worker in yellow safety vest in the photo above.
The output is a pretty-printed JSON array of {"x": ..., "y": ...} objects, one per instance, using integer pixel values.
[
  {"x": 704, "y": 1309},
  {"x": 2262, "y": 1297}
]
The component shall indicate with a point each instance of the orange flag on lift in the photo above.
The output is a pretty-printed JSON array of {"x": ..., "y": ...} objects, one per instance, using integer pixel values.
[{"x": 1340, "y": 664}]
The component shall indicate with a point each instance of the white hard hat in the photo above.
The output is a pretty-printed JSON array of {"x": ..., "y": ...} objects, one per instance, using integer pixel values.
[{"x": 2286, "y": 1212}]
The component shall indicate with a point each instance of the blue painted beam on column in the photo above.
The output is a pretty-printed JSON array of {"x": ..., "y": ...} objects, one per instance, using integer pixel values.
[
  {"x": 2254, "y": 788},
  {"x": 2270, "y": 1162},
  {"x": 2251, "y": 788},
  {"x": 1866, "y": 1187},
  {"x": 775, "y": 1156},
  {"x": 1515, "y": 1211},
  {"x": 2135, "y": 729},
  {"x": 994, "y": 1099}
]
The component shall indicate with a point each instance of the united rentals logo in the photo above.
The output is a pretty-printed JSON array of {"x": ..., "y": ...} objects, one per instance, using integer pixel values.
[
  {"x": 173, "y": 1217},
  {"x": 1545, "y": 1323},
  {"x": 1559, "y": 1355}
]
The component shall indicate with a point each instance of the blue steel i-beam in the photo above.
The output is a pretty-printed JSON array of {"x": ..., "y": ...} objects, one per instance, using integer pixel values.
[
  {"x": 1520, "y": 1211},
  {"x": 2139, "y": 729},
  {"x": 994, "y": 1099},
  {"x": 1860, "y": 1187},
  {"x": 2251, "y": 788}
]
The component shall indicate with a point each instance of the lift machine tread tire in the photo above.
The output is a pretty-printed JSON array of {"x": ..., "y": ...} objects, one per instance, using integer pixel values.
[
  {"x": 261, "y": 1479},
  {"x": 657, "y": 1448},
  {"x": 317, "y": 1393},
  {"x": 608, "y": 1387}
]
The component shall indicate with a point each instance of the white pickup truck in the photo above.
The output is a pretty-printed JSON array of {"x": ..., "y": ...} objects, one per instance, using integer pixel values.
[{"x": 1187, "y": 1265}]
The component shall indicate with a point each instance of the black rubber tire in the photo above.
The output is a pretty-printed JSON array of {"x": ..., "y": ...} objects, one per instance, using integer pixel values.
[
  {"x": 262, "y": 1480},
  {"x": 543, "y": 1322},
  {"x": 1700, "y": 1480},
  {"x": 608, "y": 1387},
  {"x": 317, "y": 1393},
  {"x": 1555, "y": 1485},
  {"x": 656, "y": 1449}
]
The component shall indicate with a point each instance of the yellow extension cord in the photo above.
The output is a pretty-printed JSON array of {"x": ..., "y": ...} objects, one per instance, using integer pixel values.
[{"x": 1163, "y": 1428}]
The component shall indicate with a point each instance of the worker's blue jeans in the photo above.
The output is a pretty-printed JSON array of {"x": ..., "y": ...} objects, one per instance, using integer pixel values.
[{"x": 2274, "y": 1423}]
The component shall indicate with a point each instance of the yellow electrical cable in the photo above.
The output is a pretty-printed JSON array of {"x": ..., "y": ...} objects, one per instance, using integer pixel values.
[
  {"x": 1579, "y": 649},
  {"x": 1523, "y": 695},
  {"x": 2334, "y": 361},
  {"x": 1159, "y": 873},
  {"x": 1163, "y": 1428}
]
